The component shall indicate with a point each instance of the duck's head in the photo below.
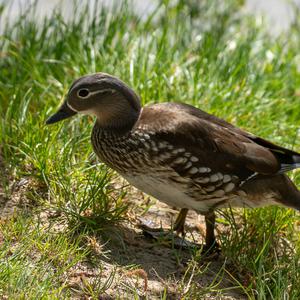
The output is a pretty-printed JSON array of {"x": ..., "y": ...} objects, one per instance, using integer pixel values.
[{"x": 114, "y": 104}]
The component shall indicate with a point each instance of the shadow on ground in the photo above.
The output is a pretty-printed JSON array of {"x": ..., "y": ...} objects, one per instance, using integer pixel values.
[{"x": 174, "y": 271}]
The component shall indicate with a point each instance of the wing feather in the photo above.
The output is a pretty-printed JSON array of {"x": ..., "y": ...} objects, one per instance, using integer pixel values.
[{"x": 219, "y": 143}]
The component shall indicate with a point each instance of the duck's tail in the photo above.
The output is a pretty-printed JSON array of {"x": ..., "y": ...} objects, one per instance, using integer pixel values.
[
  {"x": 290, "y": 163},
  {"x": 275, "y": 189},
  {"x": 290, "y": 195}
]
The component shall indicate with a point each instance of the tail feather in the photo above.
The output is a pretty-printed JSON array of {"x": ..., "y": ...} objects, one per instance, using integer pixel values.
[
  {"x": 289, "y": 159},
  {"x": 294, "y": 164},
  {"x": 296, "y": 159}
]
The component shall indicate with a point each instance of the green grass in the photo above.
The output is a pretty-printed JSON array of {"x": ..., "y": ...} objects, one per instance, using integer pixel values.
[{"x": 206, "y": 54}]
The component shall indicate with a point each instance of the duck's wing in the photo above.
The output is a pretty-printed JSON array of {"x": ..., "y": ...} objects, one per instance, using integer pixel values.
[{"x": 214, "y": 142}]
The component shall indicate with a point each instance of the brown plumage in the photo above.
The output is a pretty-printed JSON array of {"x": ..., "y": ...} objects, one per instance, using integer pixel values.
[{"x": 179, "y": 154}]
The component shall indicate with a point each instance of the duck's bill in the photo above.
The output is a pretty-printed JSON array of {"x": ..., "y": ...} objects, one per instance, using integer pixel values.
[{"x": 63, "y": 113}]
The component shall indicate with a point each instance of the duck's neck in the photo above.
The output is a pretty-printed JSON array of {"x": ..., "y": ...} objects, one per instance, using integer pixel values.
[
  {"x": 117, "y": 119},
  {"x": 119, "y": 126}
]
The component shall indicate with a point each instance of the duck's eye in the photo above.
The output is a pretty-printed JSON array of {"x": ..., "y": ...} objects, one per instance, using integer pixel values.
[{"x": 83, "y": 93}]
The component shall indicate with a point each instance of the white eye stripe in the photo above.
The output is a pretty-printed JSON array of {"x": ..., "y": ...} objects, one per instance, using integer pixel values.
[
  {"x": 95, "y": 92},
  {"x": 71, "y": 107},
  {"x": 82, "y": 111}
]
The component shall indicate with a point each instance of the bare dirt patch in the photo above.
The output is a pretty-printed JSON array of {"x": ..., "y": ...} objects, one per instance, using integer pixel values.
[
  {"x": 17, "y": 193},
  {"x": 15, "y": 196}
]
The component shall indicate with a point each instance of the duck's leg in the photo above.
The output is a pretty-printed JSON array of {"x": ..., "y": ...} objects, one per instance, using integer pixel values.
[
  {"x": 168, "y": 236},
  {"x": 180, "y": 221},
  {"x": 178, "y": 225},
  {"x": 210, "y": 239}
]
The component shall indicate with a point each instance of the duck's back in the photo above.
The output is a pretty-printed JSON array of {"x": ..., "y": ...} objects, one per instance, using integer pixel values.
[{"x": 188, "y": 158}]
